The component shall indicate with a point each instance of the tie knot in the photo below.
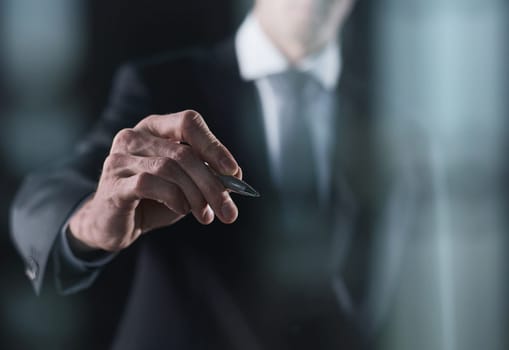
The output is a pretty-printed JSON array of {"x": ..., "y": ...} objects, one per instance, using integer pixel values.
[{"x": 295, "y": 83}]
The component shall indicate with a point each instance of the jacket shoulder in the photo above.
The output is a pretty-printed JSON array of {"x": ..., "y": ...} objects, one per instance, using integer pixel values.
[{"x": 173, "y": 79}]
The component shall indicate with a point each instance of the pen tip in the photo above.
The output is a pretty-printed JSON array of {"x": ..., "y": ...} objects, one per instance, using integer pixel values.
[{"x": 251, "y": 191}]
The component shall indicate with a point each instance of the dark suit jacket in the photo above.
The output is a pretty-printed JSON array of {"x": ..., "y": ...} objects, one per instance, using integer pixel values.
[{"x": 190, "y": 286}]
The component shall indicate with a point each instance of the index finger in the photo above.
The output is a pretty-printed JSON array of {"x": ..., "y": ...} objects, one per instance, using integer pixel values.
[{"x": 189, "y": 127}]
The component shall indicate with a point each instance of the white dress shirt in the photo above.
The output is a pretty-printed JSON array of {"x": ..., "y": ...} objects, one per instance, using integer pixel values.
[{"x": 258, "y": 58}]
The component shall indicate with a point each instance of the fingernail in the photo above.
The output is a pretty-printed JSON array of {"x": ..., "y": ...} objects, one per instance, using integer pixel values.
[
  {"x": 228, "y": 165},
  {"x": 229, "y": 210},
  {"x": 208, "y": 214}
]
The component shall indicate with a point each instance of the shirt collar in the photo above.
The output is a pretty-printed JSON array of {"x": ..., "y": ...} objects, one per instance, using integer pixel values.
[{"x": 258, "y": 57}]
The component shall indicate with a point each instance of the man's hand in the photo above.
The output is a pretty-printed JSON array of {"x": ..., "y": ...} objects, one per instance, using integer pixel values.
[{"x": 154, "y": 175}]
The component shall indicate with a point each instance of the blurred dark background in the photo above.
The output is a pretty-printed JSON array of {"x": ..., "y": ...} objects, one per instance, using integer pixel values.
[{"x": 441, "y": 64}]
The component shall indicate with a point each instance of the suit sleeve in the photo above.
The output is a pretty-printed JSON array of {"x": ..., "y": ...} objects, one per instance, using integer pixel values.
[
  {"x": 74, "y": 273},
  {"x": 48, "y": 197}
]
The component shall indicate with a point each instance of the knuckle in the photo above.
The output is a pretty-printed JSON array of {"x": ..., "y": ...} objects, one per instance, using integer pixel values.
[
  {"x": 124, "y": 139},
  {"x": 113, "y": 161},
  {"x": 147, "y": 120},
  {"x": 125, "y": 135},
  {"x": 192, "y": 120},
  {"x": 151, "y": 117},
  {"x": 191, "y": 113}
]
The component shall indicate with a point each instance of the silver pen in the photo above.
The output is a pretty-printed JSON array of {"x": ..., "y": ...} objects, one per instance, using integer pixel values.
[
  {"x": 235, "y": 185},
  {"x": 238, "y": 186}
]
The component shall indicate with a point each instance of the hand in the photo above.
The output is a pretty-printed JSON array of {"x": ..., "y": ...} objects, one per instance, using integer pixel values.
[{"x": 154, "y": 175}]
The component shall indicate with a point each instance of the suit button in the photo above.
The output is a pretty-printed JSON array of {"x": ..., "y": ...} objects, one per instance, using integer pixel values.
[{"x": 32, "y": 269}]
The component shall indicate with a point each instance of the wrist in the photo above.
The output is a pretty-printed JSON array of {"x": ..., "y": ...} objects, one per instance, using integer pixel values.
[{"x": 75, "y": 234}]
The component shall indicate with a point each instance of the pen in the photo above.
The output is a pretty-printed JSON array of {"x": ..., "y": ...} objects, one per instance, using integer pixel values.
[
  {"x": 235, "y": 185},
  {"x": 232, "y": 183},
  {"x": 238, "y": 186}
]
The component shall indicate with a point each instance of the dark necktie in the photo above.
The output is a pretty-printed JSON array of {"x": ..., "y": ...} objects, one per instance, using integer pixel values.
[
  {"x": 296, "y": 175},
  {"x": 298, "y": 253}
]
